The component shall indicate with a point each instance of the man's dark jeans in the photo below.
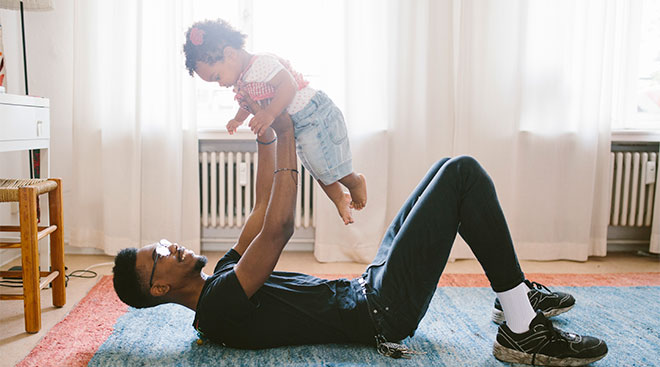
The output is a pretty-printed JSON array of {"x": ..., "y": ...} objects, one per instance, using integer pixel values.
[{"x": 456, "y": 195}]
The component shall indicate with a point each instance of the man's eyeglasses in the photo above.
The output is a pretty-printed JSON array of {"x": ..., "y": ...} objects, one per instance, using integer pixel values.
[{"x": 162, "y": 249}]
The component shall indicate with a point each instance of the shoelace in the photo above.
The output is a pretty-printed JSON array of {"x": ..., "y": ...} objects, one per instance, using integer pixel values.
[
  {"x": 553, "y": 334},
  {"x": 539, "y": 286}
]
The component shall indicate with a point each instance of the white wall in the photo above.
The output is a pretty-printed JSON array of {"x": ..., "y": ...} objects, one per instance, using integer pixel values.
[
  {"x": 13, "y": 164},
  {"x": 49, "y": 41},
  {"x": 11, "y": 28}
]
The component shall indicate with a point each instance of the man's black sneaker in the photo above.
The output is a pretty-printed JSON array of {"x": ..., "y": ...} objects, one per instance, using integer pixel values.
[
  {"x": 549, "y": 302},
  {"x": 544, "y": 345}
]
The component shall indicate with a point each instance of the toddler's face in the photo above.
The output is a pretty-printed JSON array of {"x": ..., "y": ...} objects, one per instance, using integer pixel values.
[{"x": 224, "y": 72}]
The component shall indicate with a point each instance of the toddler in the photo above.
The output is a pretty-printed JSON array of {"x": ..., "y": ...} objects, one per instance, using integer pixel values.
[{"x": 214, "y": 51}]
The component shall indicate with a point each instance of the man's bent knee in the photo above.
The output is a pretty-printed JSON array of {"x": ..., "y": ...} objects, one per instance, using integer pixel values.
[
  {"x": 465, "y": 165},
  {"x": 466, "y": 161}
]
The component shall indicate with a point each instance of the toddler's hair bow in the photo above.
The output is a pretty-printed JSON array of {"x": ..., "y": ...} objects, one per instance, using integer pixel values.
[{"x": 196, "y": 36}]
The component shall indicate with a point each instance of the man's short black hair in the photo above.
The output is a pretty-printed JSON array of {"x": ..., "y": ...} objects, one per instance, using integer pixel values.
[
  {"x": 217, "y": 34},
  {"x": 127, "y": 282}
]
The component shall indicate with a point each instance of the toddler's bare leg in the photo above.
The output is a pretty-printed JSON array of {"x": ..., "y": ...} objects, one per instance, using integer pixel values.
[
  {"x": 341, "y": 200},
  {"x": 357, "y": 185}
]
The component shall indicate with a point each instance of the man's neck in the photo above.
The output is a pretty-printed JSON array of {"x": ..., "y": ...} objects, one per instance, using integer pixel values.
[{"x": 193, "y": 290}]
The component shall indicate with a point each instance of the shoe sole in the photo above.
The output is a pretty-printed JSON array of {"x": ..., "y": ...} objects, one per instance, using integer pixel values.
[
  {"x": 498, "y": 316},
  {"x": 513, "y": 356}
]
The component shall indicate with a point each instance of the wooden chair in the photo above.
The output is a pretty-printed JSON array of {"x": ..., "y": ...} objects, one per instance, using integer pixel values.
[{"x": 26, "y": 193}]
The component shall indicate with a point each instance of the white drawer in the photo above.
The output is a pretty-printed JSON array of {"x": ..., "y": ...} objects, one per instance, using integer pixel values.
[{"x": 24, "y": 123}]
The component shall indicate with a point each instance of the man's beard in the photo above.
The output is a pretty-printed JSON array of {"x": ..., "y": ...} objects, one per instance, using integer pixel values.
[{"x": 200, "y": 262}]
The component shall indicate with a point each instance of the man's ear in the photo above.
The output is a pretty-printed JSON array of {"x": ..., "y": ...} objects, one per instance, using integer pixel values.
[{"x": 159, "y": 289}]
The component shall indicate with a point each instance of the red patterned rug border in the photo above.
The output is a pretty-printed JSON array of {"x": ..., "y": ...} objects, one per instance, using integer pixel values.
[{"x": 74, "y": 340}]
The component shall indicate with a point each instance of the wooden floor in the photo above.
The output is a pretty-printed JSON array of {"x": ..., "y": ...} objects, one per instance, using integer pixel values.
[{"x": 15, "y": 343}]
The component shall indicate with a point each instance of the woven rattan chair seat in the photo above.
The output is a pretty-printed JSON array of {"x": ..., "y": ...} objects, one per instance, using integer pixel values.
[{"x": 9, "y": 187}]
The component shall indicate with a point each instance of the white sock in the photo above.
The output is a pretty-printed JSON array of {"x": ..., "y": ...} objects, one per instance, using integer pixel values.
[{"x": 517, "y": 309}]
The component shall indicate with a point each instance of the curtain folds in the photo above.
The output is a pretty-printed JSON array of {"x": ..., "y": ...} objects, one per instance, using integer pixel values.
[
  {"x": 134, "y": 137},
  {"x": 367, "y": 107},
  {"x": 525, "y": 87}
]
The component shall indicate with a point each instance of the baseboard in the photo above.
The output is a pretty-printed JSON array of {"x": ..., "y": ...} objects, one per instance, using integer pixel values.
[
  {"x": 224, "y": 244},
  {"x": 222, "y": 239},
  {"x": 8, "y": 255},
  {"x": 627, "y": 246},
  {"x": 71, "y": 250}
]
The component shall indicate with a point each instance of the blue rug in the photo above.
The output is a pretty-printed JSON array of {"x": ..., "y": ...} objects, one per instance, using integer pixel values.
[{"x": 456, "y": 331}]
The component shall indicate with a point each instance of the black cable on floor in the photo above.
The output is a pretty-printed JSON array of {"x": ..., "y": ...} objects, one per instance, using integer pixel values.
[{"x": 18, "y": 282}]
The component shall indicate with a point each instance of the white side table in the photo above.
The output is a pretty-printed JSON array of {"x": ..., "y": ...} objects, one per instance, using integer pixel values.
[{"x": 25, "y": 125}]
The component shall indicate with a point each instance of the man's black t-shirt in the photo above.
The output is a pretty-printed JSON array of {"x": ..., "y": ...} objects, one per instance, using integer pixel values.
[{"x": 289, "y": 309}]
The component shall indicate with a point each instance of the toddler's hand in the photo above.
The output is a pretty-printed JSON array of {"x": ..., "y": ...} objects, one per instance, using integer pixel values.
[
  {"x": 232, "y": 125},
  {"x": 260, "y": 122}
]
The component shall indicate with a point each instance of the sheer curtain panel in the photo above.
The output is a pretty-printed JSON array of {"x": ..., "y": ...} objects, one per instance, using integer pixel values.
[
  {"x": 526, "y": 88},
  {"x": 134, "y": 139}
]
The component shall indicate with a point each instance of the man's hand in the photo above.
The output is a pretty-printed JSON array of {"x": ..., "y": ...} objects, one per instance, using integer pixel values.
[
  {"x": 280, "y": 125},
  {"x": 260, "y": 122},
  {"x": 248, "y": 103},
  {"x": 283, "y": 125}
]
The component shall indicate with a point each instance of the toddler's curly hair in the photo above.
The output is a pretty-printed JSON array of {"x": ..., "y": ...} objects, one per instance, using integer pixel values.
[{"x": 210, "y": 37}]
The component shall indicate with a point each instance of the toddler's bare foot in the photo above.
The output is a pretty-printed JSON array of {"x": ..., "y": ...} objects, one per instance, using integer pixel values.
[
  {"x": 343, "y": 207},
  {"x": 359, "y": 193}
]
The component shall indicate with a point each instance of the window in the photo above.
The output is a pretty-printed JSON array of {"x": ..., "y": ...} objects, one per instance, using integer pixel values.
[
  {"x": 647, "y": 99},
  {"x": 313, "y": 43},
  {"x": 641, "y": 97}
]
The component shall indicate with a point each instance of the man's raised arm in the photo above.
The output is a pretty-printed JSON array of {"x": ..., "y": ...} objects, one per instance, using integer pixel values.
[
  {"x": 260, "y": 257},
  {"x": 264, "y": 183}
]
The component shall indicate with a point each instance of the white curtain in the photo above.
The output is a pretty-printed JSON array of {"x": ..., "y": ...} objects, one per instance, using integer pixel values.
[
  {"x": 135, "y": 174},
  {"x": 361, "y": 76},
  {"x": 526, "y": 88}
]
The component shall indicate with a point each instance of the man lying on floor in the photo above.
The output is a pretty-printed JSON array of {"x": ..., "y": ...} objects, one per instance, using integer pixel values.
[{"x": 244, "y": 304}]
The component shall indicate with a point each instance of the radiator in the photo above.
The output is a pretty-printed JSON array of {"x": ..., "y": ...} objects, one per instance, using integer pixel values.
[
  {"x": 227, "y": 190},
  {"x": 633, "y": 176}
]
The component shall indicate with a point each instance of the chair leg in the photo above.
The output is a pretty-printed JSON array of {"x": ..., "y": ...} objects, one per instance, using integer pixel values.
[
  {"x": 30, "y": 258},
  {"x": 57, "y": 244}
]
